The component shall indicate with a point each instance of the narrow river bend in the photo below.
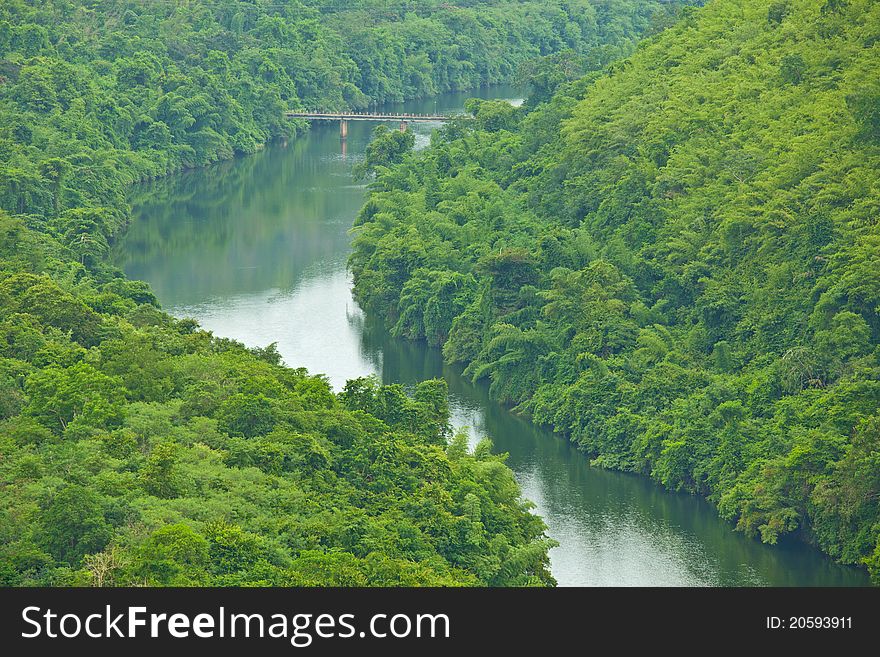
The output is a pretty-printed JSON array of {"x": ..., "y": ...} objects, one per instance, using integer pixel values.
[{"x": 255, "y": 249}]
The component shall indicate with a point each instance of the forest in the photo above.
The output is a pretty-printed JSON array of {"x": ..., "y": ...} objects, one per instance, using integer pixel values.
[
  {"x": 674, "y": 261},
  {"x": 138, "y": 449}
]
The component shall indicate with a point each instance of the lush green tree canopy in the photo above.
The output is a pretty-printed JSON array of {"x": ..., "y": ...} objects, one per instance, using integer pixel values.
[
  {"x": 136, "y": 449},
  {"x": 674, "y": 261}
]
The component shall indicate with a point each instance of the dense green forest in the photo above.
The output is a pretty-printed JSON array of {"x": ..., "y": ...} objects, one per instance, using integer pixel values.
[
  {"x": 124, "y": 90},
  {"x": 674, "y": 261},
  {"x": 139, "y": 449}
]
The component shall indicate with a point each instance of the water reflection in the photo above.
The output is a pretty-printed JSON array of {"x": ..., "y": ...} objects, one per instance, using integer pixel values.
[
  {"x": 614, "y": 528},
  {"x": 255, "y": 249}
]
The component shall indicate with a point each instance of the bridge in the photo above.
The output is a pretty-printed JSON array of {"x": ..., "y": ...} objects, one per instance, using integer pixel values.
[{"x": 345, "y": 117}]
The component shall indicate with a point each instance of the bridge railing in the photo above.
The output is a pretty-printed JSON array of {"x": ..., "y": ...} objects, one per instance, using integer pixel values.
[{"x": 369, "y": 115}]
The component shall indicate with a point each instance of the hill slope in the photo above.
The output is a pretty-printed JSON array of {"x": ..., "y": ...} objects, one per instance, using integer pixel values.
[
  {"x": 136, "y": 449},
  {"x": 675, "y": 262}
]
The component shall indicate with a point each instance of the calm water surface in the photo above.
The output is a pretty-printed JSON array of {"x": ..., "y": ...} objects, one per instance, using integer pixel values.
[{"x": 255, "y": 249}]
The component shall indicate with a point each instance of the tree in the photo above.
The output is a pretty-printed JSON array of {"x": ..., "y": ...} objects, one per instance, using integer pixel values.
[
  {"x": 677, "y": 293},
  {"x": 492, "y": 115},
  {"x": 161, "y": 475},
  {"x": 246, "y": 415},
  {"x": 104, "y": 567},
  {"x": 73, "y": 523},
  {"x": 387, "y": 148},
  {"x": 793, "y": 68},
  {"x": 173, "y": 555},
  {"x": 864, "y": 103},
  {"x": 232, "y": 550},
  {"x": 78, "y": 394},
  {"x": 43, "y": 299},
  {"x": 508, "y": 272},
  {"x": 545, "y": 74},
  {"x": 55, "y": 170}
]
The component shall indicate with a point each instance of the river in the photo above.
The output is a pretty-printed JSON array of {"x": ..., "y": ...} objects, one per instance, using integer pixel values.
[{"x": 255, "y": 249}]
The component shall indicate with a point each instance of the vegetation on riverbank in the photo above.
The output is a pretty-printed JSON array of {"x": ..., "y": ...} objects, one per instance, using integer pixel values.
[
  {"x": 137, "y": 449},
  {"x": 674, "y": 262}
]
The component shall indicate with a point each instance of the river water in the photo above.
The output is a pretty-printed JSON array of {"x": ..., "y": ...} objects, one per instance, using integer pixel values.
[{"x": 255, "y": 249}]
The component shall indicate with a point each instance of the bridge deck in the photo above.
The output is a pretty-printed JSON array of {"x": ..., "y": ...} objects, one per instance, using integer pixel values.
[{"x": 366, "y": 116}]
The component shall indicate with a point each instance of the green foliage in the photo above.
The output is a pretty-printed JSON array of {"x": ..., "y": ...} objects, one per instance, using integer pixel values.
[
  {"x": 246, "y": 415},
  {"x": 73, "y": 524},
  {"x": 289, "y": 486},
  {"x": 544, "y": 75},
  {"x": 173, "y": 555},
  {"x": 136, "y": 449},
  {"x": 387, "y": 148},
  {"x": 78, "y": 395},
  {"x": 89, "y": 105},
  {"x": 139, "y": 450},
  {"x": 160, "y": 474},
  {"x": 674, "y": 262},
  {"x": 492, "y": 115}
]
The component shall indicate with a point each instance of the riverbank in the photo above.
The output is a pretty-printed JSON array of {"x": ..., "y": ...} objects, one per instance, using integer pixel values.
[
  {"x": 280, "y": 220},
  {"x": 668, "y": 272},
  {"x": 146, "y": 455}
]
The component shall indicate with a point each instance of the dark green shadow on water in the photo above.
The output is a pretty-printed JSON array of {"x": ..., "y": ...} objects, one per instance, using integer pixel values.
[{"x": 255, "y": 249}]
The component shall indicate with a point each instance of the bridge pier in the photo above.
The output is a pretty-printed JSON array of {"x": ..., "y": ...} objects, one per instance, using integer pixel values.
[
  {"x": 343, "y": 129},
  {"x": 404, "y": 125}
]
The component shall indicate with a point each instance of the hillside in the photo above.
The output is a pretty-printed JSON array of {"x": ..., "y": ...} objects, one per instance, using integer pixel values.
[
  {"x": 674, "y": 262},
  {"x": 136, "y": 449}
]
